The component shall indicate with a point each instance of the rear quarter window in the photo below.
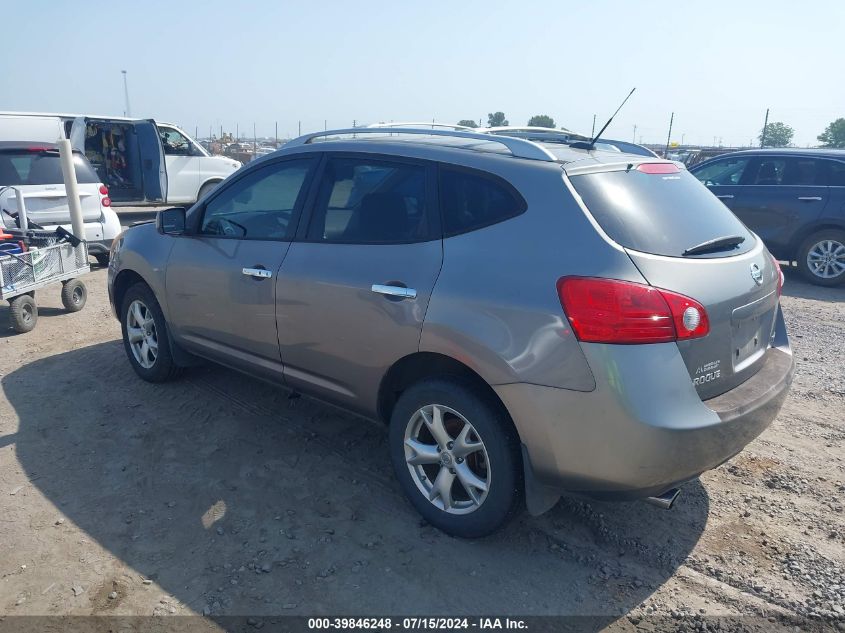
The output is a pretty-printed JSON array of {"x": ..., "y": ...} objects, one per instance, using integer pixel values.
[
  {"x": 471, "y": 200},
  {"x": 662, "y": 214}
]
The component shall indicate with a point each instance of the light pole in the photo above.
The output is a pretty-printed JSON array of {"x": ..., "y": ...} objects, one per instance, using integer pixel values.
[{"x": 127, "y": 111}]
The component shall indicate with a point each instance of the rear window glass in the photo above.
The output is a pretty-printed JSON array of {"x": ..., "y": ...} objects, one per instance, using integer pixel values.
[
  {"x": 470, "y": 201},
  {"x": 663, "y": 214},
  {"x": 41, "y": 168}
]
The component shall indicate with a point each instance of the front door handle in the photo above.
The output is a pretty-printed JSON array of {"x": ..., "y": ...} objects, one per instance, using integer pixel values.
[
  {"x": 257, "y": 273},
  {"x": 726, "y": 195},
  {"x": 400, "y": 292},
  {"x": 809, "y": 198}
]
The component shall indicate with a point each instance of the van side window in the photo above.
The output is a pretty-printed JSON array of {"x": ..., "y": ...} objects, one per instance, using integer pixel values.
[
  {"x": 367, "y": 201},
  {"x": 471, "y": 200},
  {"x": 174, "y": 143},
  {"x": 259, "y": 206}
]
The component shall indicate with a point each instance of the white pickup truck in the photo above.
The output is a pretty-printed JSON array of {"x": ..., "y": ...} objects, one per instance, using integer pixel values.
[{"x": 141, "y": 161}]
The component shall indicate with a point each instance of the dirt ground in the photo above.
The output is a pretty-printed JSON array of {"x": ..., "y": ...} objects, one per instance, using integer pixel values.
[{"x": 219, "y": 495}]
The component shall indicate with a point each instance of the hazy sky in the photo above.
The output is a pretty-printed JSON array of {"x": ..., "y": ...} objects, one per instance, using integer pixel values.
[{"x": 718, "y": 65}]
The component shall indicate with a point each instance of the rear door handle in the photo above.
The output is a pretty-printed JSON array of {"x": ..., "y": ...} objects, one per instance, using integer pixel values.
[
  {"x": 809, "y": 198},
  {"x": 258, "y": 273},
  {"x": 726, "y": 195},
  {"x": 395, "y": 291}
]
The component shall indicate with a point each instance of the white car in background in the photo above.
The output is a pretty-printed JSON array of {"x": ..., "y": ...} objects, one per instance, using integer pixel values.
[
  {"x": 35, "y": 169},
  {"x": 141, "y": 161}
]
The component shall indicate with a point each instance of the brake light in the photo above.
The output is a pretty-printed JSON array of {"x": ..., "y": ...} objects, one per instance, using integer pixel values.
[
  {"x": 780, "y": 274},
  {"x": 658, "y": 168},
  {"x": 104, "y": 191},
  {"x": 623, "y": 312}
]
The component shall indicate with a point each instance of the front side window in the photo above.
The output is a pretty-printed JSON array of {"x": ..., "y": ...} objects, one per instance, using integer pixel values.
[
  {"x": 470, "y": 200},
  {"x": 766, "y": 171},
  {"x": 724, "y": 172},
  {"x": 368, "y": 201},
  {"x": 174, "y": 143},
  {"x": 259, "y": 206}
]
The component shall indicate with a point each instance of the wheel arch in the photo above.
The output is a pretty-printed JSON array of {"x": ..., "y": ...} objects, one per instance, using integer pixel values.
[
  {"x": 213, "y": 180},
  {"x": 122, "y": 283},
  {"x": 420, "y": 365},
  {"x": 825, "y": 224}
]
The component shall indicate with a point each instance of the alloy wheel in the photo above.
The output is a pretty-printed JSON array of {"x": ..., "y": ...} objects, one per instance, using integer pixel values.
[
  {"x": 447, "y": 459},
  {"x": 826, "y": 259},
  {"x": 141, "y": 333}
]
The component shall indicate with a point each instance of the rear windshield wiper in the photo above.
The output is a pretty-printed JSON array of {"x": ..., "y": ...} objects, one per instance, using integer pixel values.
[{"x": 716, "y": 244}]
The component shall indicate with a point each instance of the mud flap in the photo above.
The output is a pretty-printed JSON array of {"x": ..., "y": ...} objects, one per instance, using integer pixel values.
[{"x": 538, "y": 498}]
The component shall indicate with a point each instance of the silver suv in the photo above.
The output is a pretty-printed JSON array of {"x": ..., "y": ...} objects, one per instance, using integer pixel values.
[{"x": 527, "y": 318}]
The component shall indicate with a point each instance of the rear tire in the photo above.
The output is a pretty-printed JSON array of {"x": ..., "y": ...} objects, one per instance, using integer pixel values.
[
  {"x": 23, "y": 313},
  {"x": 145, "y": 335},
  {"x": 466, "y": 487},
  {"x": 821, "y": 258},
  {"x": 74, "y": 295}
]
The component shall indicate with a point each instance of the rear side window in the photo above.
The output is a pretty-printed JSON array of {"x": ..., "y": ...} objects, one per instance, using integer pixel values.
[
  {"x": 663, "y": 214},
  {"x": 836, "y": 173},
  {"x": 367, "y": 201},
  {"x": 470, "y": 200},
  {"x": 41, "y": 168}
]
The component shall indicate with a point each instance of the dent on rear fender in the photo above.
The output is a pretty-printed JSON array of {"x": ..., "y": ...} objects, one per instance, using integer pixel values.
[{"x": 507, "y": 344}]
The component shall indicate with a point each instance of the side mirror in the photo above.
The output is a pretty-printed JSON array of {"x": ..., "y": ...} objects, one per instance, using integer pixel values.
[{"x": 172, "y": 221}]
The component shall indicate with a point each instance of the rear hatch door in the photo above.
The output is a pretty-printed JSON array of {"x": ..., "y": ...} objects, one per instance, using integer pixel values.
[
  {"x": 37, "y": 174},
  {"x": 659, "y": 216}
]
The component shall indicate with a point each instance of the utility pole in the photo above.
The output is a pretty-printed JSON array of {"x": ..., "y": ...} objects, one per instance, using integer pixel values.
[
  {"x": 765, "y": 129},
  {"x": 300, "y": 129},
  {"x": 325, "y": 125},
  {"x": 276, "y": 141},
  {"x": 683, "y": 136},
  {"x": 254, "y": 141},
  {"x": 635, "y": 135},
  {"x": 126, "y": 111},
  {"x": 237, "y": 132},
  {"x": 593, "y": 131},
  {"x": 669, "y": 137}
]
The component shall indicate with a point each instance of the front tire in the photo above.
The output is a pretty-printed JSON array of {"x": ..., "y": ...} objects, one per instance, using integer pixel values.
[
  {"x": 821, "y": 258},
  {"x": 145, "y": 336},
  {"x": 23, "y": 313},
  {"x": 456, "y": 455}
]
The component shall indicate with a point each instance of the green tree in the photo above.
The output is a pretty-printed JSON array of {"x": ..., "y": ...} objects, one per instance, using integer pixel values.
[
  {"x": 541, "y": 120},
  {"x": 496, "y": 119},
  {"x": 834, "y": 134},
  {"x": 467, "y": 123},
  {"x": 776, "y": 134}
]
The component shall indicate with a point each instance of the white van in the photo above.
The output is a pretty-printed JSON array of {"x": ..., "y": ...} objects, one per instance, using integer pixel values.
[{"x": 141, "y": 161}]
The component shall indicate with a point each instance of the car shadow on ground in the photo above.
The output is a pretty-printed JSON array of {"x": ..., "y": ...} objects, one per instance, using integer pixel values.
[
  {"x": 239, "y": 499},
  {"x": 796, "y": 286}
]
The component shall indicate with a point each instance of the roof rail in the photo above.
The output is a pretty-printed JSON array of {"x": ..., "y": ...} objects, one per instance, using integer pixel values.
[
  {"x": 501, "y": 129},
  {"x": 519, "y": 147},
  {"x": 536, "y": 134},
  {"x": 423, "y": 124}
]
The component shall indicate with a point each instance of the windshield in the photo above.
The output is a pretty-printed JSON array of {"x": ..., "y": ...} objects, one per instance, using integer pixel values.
[
  {"x": 26, "y": 167},
  {"x": 663, "y": 214}
]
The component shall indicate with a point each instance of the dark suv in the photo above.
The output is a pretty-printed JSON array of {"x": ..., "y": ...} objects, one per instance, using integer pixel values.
[{"x": 793, "y": 199}]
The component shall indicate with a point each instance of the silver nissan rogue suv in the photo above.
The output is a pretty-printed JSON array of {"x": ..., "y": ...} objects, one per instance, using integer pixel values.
[{"x": 527, "y": 318}]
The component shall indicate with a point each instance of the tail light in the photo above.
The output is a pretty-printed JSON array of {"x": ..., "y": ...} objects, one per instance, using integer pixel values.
[
  {"x": 658, "y": 168},
  {"x": 623, "y": 312},
  {"x": 105, "y": 200},
  {"x": 780, "y": 275}
]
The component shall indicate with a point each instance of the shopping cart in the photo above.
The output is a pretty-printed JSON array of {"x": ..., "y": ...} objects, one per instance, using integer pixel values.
[{"x": 22, "y": 273}]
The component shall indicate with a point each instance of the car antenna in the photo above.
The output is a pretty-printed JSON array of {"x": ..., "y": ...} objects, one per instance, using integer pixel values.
[{"x": 592, "y": 143}]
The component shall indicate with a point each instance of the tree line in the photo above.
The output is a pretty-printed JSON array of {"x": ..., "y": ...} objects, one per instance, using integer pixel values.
[{"x": 775, "y": 134}]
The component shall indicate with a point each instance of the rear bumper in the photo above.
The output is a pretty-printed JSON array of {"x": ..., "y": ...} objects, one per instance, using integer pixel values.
[{"x": 644, "y": 429}]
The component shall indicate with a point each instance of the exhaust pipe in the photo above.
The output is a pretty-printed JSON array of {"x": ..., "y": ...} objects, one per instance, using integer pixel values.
[{"x": 665, "y": 500}]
